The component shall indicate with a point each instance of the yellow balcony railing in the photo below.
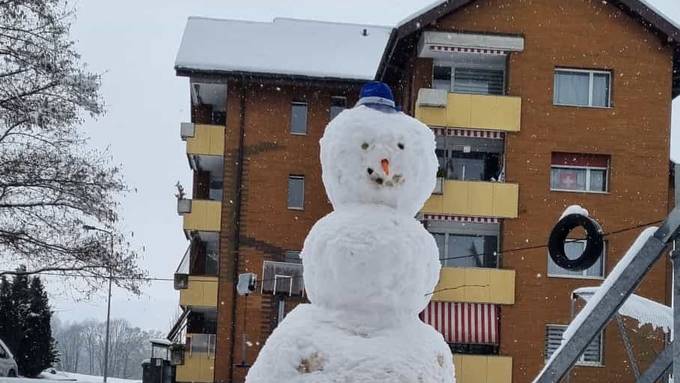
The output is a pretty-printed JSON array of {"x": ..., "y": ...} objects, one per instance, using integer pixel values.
[
  {"x": 203, "y": 139},
  {"x": 200, "y": 215},
  {"x": 475, "y": 198},
  {"x": 436, "y": 107},
  {"x": 200, "y": 292},
  {"x": 482, "y": 368},
  {"x": 476, "y": 285},
  {"x": 197, "y": 367}
]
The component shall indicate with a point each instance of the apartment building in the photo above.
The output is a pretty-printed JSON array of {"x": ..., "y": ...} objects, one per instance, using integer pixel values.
[{"x": 536, "y": 105}]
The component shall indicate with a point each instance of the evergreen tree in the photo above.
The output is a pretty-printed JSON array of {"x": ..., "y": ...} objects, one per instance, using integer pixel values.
[
  {"x": 9, "y": 323},
  {"x": 19, "y": 298},
  {"x": 37, "y": 352}
]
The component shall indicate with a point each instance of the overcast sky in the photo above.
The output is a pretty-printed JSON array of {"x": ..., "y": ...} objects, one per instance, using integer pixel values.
[{"x": 133, "y": 44}]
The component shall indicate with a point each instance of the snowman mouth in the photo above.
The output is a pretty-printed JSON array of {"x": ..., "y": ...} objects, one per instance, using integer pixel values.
[{"x": 395, "y": 180}]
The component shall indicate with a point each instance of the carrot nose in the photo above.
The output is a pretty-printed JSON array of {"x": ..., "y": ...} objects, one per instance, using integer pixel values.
[{"x": 385, "y": 163}]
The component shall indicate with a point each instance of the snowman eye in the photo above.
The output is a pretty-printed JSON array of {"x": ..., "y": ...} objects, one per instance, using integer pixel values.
[
  {"x": 364, "y": 146},
  {"x": 400, "y": 146}
]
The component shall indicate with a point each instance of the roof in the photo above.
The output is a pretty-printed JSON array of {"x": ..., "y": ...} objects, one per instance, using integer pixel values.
[{"x": 283, "y": 47}]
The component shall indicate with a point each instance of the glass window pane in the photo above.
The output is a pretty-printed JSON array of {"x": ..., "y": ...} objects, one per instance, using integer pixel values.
[
  {"x": 572, "y": 88},
  {"x": 293, "y": 256},
  {"x": 573, "y": 250},
  {"x": 601, "y": 89},
  {"x": 598, "y": 180},
  {"x": 567, "y": 179},
  {"x": 298, "y": 118},
  {"x": 296, "y": 192},
  {"x": 338, "y": 104},
  {"x": 441, "y": 77},
  {"x": 478, "y": 81},
  {"x": 471, "y": 251}
]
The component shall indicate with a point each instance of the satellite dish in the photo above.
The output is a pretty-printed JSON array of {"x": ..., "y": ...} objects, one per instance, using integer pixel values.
[{"x": 246, "y": 283}]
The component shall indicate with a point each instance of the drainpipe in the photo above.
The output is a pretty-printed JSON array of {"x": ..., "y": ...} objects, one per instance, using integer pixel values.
[{"x": 237, "y": 222}]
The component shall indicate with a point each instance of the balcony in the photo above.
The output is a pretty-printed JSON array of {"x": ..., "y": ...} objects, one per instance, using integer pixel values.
[
  {"x": 200, "y": 291},
  {"x": 203, "y": 139},
  {"x": 438, "y": 107},
  {"x": 474, "y": 198},
  {"x": 476, "y": 285},
  {"x": 198, "y": 364},
  {"x": 482, "y": 368},
  {"x": 200, "y": 215}
]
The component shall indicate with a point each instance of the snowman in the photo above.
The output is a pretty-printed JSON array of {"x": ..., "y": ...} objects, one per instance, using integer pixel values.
[{"x": 369, "y": 266}]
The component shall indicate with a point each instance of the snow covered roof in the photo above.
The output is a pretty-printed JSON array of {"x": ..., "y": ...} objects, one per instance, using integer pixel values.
[{"x": 285, "y": 47}]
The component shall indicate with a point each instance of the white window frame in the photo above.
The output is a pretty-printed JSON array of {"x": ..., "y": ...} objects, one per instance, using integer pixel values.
[
  {"x": 588, "y": 169},
  {"x": 292, "y": 106},
  {"x": 580, "y": 362},
  {"x": 454, "y": 65},
  {"x": 591, "y": 81},
  {"x": 297, "y": 177},
  {"x": 603, "y": 257}
]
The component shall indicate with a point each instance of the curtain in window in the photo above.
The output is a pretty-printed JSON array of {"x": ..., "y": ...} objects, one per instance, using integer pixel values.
[
  {"x": 601, "y": 89},
  {"x": 573, "y": 250},
  {"x": 568, "y": 179},
  {"x": 572, "y": 88}
]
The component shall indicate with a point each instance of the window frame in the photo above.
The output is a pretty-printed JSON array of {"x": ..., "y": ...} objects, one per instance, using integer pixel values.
[
  {"x": 293, "y": 104},
  {"x": 603, "y": 258},
  {"x": 472, "y": 65},
  {"x": 301, "y": 178},
  {"x": 591, "y": 81},
  {"x": 588, "y": 170},
  {"x": 580, "y": 362}
]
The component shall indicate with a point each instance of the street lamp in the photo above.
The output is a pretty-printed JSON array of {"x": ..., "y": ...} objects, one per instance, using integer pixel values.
[{"x": 108, "y": 309}]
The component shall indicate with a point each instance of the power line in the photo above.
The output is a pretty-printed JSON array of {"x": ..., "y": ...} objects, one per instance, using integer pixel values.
[{"x": 214, "y": 279}]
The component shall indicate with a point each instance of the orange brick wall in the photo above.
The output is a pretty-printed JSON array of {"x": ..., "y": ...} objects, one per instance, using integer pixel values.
[{"x": 635, "y": 132}]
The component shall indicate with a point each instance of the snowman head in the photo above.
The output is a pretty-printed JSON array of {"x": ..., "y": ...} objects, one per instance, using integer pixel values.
[{"x": 377, "y": 155}]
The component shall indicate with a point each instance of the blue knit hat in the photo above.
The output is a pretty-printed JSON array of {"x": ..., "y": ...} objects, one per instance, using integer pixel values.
[{"x": 376, "y": 94}]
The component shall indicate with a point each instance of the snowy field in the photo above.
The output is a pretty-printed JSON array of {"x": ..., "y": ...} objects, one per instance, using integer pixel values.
[{"x": 59, "y": 376}]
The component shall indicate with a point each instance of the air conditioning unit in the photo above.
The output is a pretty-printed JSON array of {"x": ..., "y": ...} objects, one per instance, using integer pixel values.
[
  {"x": 282, "y": 278},
  {"x": 183, "y": 206},
  {"x": 187, "y": 130}
]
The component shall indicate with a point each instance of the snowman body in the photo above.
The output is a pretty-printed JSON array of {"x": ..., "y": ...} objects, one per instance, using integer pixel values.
[{"x": 369, "y": 266}]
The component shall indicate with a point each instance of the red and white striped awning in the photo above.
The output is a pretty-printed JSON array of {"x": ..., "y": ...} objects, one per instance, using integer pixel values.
[
  {"x": 464, "y": 323},
  {"x": 456, "y": 218},
  {"x": 471, "y": 133},
  {"x": 486, "y": 51}
]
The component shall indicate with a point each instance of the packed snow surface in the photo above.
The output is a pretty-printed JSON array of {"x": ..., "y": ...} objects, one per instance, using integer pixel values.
[
  {"x": 645, "y": 311},
  {"x": 52, "y": 375},
  {"x": 369, "y": 266},
  {"x": 284, "y": 46},
  {"x": 574, "y": 209},
  {"x": 353, "y": 147}
]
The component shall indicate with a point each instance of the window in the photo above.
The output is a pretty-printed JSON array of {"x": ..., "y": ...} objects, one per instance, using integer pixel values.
[
  {"x": 592, "y": 356},
  {"x": 298, "y": 118},
  {"x": 573, "y": 249},
  {"x": 293, "y": 256},
  {"x": 473, "y": 166},
  {"x": 470, "y": 73},
  {"x": 467, "y": 250},
  {"x": 296, "y": 192},
  {"x": 338, "y": 104},
  {"x": 579, "y": 172},
  {"x": 582, "y": 88}
]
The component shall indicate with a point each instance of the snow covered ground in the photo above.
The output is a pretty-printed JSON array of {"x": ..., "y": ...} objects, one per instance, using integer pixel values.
[{"x": 49, "y": 376}]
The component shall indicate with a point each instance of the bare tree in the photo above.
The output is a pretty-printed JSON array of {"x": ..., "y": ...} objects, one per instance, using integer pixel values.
[{"x": 50, "y": 185}]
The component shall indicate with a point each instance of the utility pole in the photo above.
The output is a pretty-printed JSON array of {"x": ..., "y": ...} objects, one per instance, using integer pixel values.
[{"x": 108, "y": 308}]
